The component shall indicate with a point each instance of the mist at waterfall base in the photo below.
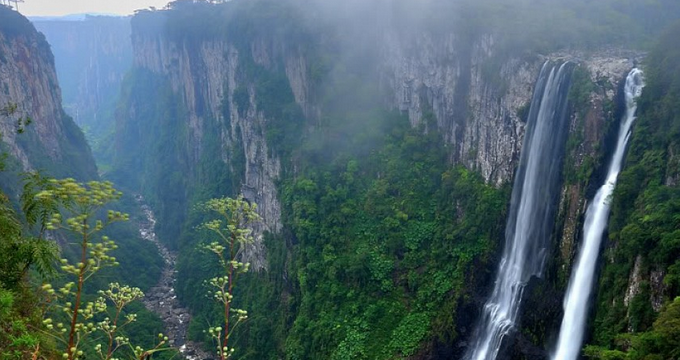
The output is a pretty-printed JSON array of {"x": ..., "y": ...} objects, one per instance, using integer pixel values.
[
  {"x": 531, "y": 216},
  {"x": 582, "y": 278}
]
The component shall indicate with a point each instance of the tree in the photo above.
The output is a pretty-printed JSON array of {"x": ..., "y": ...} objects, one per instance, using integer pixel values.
[
  {"x": 660, "y": 342},
  {"x": 21, "y": 248},
  {"x": 231, "y": 227},
  {"x": 83, "y": 205},
  {"x": 23, "y": 245},
  {"x": 17, "y": 305}
]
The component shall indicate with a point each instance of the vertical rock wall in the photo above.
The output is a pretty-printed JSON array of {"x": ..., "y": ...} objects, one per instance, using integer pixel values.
[
  {"x": 206, "y": 75},
  {"x": 28, "y": 79},
  {"x": 477, "y": 110}
]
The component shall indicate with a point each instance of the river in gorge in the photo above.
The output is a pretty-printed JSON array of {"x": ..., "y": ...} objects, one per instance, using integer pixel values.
[{"x": 162, "y": 299}]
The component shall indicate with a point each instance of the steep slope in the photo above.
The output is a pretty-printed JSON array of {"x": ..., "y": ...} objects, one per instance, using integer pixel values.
[
  {"x": 378, "y": 157},
  {"x": 52, "y": 142},
  {"x": 595, "y": 107},
  {"x": 640, "y": 266}
]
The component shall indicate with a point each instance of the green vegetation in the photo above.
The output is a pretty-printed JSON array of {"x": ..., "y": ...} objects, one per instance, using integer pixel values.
[
  {"x": 19, "y": 317},
  {"x": 382, "y": 236},
  {"x": 383, "y": 240},
  {"x": 50, "y": 322},
  {"x": 382, "y": 252},
  {"x": 387, "y": 245},
  {"x": 81, "y": 205},
  {"x": 279, "y": 19},
  {"x": 159, "y": 157},
  {"x": 661, "y": 341},
  {"x": 645, "y": 220},
  {"x": 233, "y": 233},
  {"x": 27, "y": 256}
]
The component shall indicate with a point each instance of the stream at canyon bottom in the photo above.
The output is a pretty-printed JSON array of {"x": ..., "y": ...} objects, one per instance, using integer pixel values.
[{"x": 162, "y": 299}]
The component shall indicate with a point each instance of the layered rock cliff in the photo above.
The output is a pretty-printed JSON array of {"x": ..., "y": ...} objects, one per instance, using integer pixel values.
[
  {"x": 219, "y": 98},
  {"x": 217, "y": 88},
  {"x": 477, "y": 110},
  {"x": 477, "y": 113},
  {"x": 52, "y": 142}
]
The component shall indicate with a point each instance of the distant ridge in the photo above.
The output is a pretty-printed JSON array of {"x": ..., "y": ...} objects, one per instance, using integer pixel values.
[{"x": 72, "y": 17}]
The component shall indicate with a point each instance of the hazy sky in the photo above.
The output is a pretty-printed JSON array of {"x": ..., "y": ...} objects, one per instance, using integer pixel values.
[{"x": 64, "y": 7}]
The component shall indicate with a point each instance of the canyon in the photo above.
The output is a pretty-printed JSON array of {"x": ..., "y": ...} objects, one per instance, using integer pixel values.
[{"x": 381, "y": 158}]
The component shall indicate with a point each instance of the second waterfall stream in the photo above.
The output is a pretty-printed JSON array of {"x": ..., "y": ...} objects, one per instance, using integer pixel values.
[{"x": 583, "y": 276}]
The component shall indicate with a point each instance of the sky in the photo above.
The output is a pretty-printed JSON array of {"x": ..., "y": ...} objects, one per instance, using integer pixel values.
[{"x": 65, "y": 7}]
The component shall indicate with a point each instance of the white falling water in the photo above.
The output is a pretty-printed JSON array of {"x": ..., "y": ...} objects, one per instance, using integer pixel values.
[
  {"x": 582, "y": 277},
  {"x": 531, "y": 213}
]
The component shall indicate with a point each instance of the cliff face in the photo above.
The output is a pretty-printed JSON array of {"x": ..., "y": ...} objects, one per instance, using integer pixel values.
[
  {"x": 592, "y": 121},
  {"x": 476, "y": 112},
  {"x": 478, "y": 98},
  {"x": 476, "y": 93},
  {"x": 595, "y": 107},
  {"x": 93, "y": 56},
  {"x": 28, "y": 79},
  {"x": 205, "y": 76}
]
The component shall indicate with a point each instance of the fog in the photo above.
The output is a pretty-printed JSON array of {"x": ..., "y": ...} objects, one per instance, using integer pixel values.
[{"x": 66, "y": 7}]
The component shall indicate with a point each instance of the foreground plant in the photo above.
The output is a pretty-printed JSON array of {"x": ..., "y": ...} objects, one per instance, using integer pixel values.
[
  {"x": 83, "y": 205},
  {"x": 234, "y": 216}
]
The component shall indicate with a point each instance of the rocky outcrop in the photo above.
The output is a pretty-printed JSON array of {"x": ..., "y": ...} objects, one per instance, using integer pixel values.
[
  {"x": 473, "y": 92},
  {"x": 476, "y": 94},
  {"x": 657, "y": 289},
  {"x": 651, "y": 279},
  {"x": 589, "y": 122},
  {"x": 634, "y": 282},
  {"x": 476, "y": 104},
  {"x": 205, "y": 75},
  {"x": 28, "y": 79}
]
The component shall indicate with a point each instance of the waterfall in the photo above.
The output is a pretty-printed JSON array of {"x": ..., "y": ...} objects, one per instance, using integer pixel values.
[
  {"x": 581, "y": 282},
  {"x": 532, "y": 209}
]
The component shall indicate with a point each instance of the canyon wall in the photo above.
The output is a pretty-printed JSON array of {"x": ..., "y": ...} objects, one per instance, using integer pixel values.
[
  {"x": 28, "y": 80},
  {"x": 477, "y": 92}
]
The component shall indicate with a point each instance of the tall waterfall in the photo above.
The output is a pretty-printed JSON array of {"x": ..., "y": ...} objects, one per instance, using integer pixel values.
[
  {"x": 582, "y": 277},
  {"x": 532, "y": 210}
]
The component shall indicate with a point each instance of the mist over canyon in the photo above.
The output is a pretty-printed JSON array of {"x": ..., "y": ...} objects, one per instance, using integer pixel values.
[{"x": 439, "y": 179}]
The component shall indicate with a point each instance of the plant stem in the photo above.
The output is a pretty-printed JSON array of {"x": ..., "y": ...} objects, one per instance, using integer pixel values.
[{"x": 81, "y": 280}]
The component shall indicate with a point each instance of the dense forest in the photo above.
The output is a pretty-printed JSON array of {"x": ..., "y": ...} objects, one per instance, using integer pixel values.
[{"x": 339, "y": 177}]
